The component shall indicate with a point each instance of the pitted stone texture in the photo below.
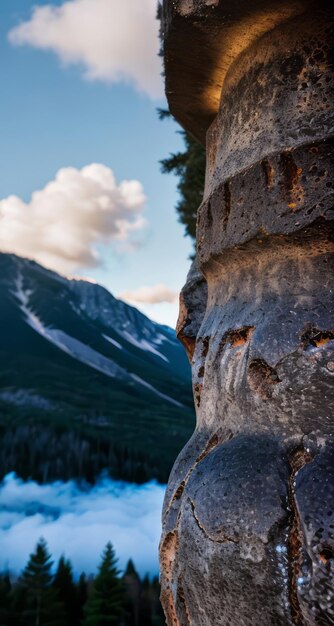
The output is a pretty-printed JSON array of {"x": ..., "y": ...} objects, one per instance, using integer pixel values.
[
  {"x": 201, "y": 41},
  {"x": 281, "y": 194},
  {"x": 250, "y": 500},
  {"x": 197, "y": 448},
  {"x": 269, "y": 100},
  {"x": 263, "y": 386},
  {"x": 231, "y": 558},
  {"x": 314, "y": 496},
  {"x": 239, "y": 492},
  {"x": 212, "y": 598}
]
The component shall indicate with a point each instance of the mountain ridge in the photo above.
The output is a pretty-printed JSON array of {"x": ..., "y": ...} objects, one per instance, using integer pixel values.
[{"x": 72, "y": 351}]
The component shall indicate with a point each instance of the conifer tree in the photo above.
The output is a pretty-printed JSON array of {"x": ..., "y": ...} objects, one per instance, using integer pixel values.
[
  {"x": 104, "y": 606},
  {"x": 19, "y": 604},
  {"x": 82, "y": 595},
  {"x": 5, "y": 599},
  {"x": 41, "y": 607},
  {"x": 145, "y": 603},
  {"x": 132, "y": 592},
  {"x": 189, "y": 165},
  {"x": 67, "y": 592}
]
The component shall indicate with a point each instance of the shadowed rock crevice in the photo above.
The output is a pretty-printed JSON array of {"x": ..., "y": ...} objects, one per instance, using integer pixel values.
[
  {"x": 236, "y": 338},
  {"x": 261, "y": 377},
  {"x": 212, "y": 443},
  {"x": 269, "y": 173},
  {"x": 168, "y": 552},
  {"x": 315, "y": 337},
  {"x": 223, "y": 537},
  {"x": 292, "y": 175},
  {"x": 181, "y": 602},
  {"x": 298, "y": 458},
  {"x": 193, "y": 301}
]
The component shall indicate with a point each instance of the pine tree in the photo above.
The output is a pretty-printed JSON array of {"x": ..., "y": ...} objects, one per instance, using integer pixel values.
[
  {"x": 132, "y": 591},
  {"x": 82, "y": 595},
  {"x": 19, "y": 604},
  {"x": 189, "y": 166},
  {"x": 104, "y": 606},
  {"x": 41, "y": 607},
  {"x": 145, "y": 613},
  {"x": 5, "y": 599},
  {"x": 67, "y": 592}
]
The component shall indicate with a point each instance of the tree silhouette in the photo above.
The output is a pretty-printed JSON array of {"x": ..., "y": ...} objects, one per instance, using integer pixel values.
[
  {"x": 38, "y": 598},
  {"x": 67, "y": 592},
  {"x": 5, "y": 599},
  {"x": 104, "y": 606},
  {"x": 132, "y": 593},
  {"x": 41, "y": 606},
  {"x": 82, "y": 596}
]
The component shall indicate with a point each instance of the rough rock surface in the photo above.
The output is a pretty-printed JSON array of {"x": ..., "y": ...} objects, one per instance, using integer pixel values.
[{"x": 248, "y": 521}]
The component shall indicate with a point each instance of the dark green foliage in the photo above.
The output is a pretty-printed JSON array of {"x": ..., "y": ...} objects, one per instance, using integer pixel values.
[
  {"x": 19, "y": 597},
  {"x": 5, "y": 599},
  {"x": 104, "y": 606},
  {"x": 145, "y": 604},
  {"x": 40, "y": 598},
  {"x": 189, "y": 167},
  {"x": 41, "y": 605},
  {"x": 46, "y": 449},
  {"x": 141, "y": 600},
  {"x": 132, "y": 593},
  {"x": 82, "y": 595},
  {"x": 67, "y": 591}
]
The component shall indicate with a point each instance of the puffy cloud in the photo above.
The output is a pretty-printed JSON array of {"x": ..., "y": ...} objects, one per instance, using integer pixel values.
[
  {"x": 79, "y": 522},
  {"x": 114, "y": 41},
  {"x": 151, "y": 295},
  {"x": 63, "y": 223}
]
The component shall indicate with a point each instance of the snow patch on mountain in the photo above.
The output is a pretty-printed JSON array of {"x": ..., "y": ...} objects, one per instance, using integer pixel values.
[
  {"x": 98, "y": 304},
  {"x": 113, "y": 341},
  {"x": 143, "y": 345},
  {"x": 84, "y": 353},
  {"x": 23, "y": 296},
  {"x": 161, "y": 395},
  {"x": 81, "y": 351},
  {"x": 62, "y": 340},
  {"x": 159, "y": 339}
]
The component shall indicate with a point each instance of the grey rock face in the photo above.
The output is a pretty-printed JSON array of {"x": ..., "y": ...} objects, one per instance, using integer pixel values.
[{"x": 248, "y": 521}]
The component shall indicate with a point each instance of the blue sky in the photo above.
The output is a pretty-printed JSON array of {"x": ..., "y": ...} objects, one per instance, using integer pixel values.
[{"x": 54, "y": 117}]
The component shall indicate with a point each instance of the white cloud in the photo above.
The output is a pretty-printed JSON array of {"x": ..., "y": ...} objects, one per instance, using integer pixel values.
[
  {"x": 151, "y": 295},
  {"x": 63, "y": 223},
  {"x": 113, "y": 40},
  {"x": 79, "y": 523}
]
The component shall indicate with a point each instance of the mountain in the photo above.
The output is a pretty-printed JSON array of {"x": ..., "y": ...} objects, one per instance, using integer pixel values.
[{"x": 87, "y": 382}]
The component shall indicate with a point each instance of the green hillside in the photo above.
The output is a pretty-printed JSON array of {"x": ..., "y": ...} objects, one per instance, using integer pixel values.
[{"x": 87, "y": 383}]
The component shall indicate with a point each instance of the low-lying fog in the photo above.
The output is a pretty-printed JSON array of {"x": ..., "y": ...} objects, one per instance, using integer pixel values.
[{"x": 79, "y": 521}]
